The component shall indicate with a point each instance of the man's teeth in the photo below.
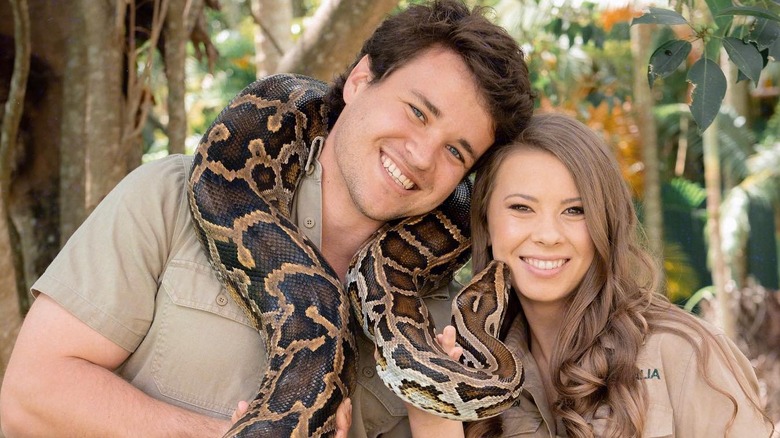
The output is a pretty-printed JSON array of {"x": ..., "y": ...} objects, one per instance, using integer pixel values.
[
  {"x": 545, "y": 264},
  {"x": 399, "y": 177}
]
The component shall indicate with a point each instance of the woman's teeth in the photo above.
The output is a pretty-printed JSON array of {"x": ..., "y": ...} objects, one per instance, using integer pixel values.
[{"x": 545, "y": 264}]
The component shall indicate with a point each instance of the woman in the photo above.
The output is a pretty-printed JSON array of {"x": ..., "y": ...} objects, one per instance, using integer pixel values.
[{"x": 604, "y": 353}]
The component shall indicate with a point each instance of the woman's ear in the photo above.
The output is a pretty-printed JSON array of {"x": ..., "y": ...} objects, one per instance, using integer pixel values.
[{"x": 358, "y": 79}]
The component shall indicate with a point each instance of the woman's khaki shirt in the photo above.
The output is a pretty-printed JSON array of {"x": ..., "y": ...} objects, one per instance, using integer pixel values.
[{"x": 681, "y": 403}]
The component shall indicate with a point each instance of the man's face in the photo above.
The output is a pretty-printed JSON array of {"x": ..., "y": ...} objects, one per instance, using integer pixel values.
[{"x": 401, "y": 145}]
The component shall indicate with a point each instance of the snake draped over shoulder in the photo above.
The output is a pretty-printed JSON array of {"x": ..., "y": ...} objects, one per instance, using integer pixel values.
[{"x": 242, "y": 183}]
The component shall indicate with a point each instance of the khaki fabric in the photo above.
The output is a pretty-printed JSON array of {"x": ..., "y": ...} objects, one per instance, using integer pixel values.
[
  {"x": 681, "y": 404},
  {"x": 136, "y": 273}
]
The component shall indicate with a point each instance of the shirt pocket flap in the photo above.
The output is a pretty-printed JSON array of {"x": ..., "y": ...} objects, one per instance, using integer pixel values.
[
  {"x": 521, "y": 420},
  {"x": 185, "y": 282}
]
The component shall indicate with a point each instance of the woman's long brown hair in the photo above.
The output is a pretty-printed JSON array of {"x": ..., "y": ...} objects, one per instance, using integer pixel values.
[{"x": 617, "y": 303}]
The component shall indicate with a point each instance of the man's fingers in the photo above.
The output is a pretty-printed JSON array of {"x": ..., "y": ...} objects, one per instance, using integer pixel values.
[{"x": 240, "y": 411}]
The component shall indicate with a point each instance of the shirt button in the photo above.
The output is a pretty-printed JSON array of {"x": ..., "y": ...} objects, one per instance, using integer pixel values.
[
  {"x": 308, "y": 222},
  {"x": 221, "y": 300},
  {"x": 368, "y": 372}
]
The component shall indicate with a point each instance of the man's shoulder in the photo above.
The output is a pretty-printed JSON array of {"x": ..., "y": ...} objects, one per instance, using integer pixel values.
[{"x": 175, "y": 164}]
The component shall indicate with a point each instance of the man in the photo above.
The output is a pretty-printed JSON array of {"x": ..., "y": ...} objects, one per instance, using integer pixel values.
[{"x": 132, "y": 334}]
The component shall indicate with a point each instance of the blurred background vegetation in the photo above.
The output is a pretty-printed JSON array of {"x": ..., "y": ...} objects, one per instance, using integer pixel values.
[{"x": 709, "y": 199}]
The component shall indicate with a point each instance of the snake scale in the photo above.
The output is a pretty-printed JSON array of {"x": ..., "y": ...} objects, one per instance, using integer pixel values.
[{"x": 241, "y": 187}]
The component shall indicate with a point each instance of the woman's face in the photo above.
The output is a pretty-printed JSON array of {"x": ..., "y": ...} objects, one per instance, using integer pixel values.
[{"x": 536, "y": 223}]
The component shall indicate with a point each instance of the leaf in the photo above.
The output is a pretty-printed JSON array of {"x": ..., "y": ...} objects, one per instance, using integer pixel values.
[
  {"x": 587, "y": 33},
  {"x": 748, "y": 10},
  {"x": 745, "y": 56},
  {"x": 660, "y": 16},
  {"x": 774, "y": 50},
  {"x": 666, "y": 58},
  {"x": 709, "y": 88},
  {"x": 765, "y": 33}
]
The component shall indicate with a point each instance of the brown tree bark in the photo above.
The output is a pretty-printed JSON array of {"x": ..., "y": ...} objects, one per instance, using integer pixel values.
[
  {"x": 105, "y": 161},
  {"x": 272, "y": 36},
  {"x": 73, "y": 189},
  {"x": 643, "y": 105},
  {"x": 725, "y": 303},
  {"x": 12, "y": 285},
  {"x": 175, "y": 56},
  {"x": 334, "y": 36}
]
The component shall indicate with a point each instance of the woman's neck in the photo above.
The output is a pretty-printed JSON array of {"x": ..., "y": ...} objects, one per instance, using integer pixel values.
[{"x": 544, "y": 324}]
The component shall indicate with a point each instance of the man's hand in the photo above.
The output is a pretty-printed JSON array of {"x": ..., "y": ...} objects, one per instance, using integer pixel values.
[{"x": 343, "y": 416}]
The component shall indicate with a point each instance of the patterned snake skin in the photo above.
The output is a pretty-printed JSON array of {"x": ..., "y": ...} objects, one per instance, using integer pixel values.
[{"x": 244, "y": 175}]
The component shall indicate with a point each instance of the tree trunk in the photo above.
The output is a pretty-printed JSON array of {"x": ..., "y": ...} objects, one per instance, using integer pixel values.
[
  {"x": 106, "y": 162},
  {"x": 737, "y": 93},
  {"x": 12, "y": 286},
  {"x": 334, "y": 36},
  {"x": 175, "y": 56},
  {"x": 73, "y": 188},
  {"x": 10, "y": 313},
  {"x": 724, "y": 293},
  {"x": 272, "y": 35},
  {"x": 643, "y": 105}
]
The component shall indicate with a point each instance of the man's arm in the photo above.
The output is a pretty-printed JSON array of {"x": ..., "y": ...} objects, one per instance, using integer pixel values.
[{"x": 59, "y": 382}]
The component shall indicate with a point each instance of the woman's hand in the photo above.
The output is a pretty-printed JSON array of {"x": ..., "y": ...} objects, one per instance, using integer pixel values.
[
  {"x": 447, "y": 341},
  {"x": 424, "y": 424},
  {"x": 343, "y": 416}
]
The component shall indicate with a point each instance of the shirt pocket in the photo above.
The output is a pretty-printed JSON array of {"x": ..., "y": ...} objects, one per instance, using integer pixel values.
[
  {"x": 207, "y": 355},
  {"x": 524, "y": 420},
  {"x": 660, "y": 421}
]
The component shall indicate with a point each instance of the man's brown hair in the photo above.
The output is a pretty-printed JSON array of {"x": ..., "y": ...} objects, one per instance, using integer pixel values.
[{"x": 491, "y": 54}]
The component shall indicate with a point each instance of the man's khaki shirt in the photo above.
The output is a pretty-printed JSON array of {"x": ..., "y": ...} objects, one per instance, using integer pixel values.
[{"x": 136, "y": 273}]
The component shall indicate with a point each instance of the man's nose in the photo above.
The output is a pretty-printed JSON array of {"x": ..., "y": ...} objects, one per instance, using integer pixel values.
[{"x": 421, "y": 152}]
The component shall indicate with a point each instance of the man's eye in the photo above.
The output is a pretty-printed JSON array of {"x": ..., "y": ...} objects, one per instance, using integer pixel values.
[
  {"x": 455, "y": 152},
  {"x": 417, "y": 113}
]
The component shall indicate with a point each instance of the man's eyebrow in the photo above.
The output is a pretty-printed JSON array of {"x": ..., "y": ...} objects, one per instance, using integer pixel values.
[
  {"x": 428, "y": 104},
  {"x": 467, "y": 147},
  {"x": 437, "y": 113}
]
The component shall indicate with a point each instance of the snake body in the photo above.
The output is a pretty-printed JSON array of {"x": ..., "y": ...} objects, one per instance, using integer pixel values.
[{"x": 241, "y": 188}]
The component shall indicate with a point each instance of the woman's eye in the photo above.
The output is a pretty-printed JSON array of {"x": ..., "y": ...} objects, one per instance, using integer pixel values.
[
  {"x": 417, "y": 113},
  {"x": 520, "y": 207},
  {"x": 455, "y": 152},
  {"x": 574, "y": 211}
]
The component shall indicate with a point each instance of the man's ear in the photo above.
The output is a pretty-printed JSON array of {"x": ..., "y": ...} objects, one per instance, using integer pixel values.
[{"x": 358, "y": 79}]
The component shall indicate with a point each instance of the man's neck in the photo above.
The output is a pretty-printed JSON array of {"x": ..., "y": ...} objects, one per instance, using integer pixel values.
[
  {"x": 344, "y": 228},
  {"x": 342, "y": 239}
]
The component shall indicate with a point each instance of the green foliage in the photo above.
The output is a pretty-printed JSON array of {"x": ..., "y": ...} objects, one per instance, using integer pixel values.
[
  {"x": 684, "y": 246},
  {"x": 681, "y": 278},
  {"x": 667, "y": 58},
  {"x": 746, "y": 56},
  {"x": 709, "y": 89},
  {"x": 686, "y": 194},
  {"x": 210, "y": 90},
  {"x": 705, "y": 74}
]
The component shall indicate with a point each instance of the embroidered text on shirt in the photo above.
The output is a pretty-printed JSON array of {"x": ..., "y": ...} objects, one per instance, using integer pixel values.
[{"x": 650, "y": 373}]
